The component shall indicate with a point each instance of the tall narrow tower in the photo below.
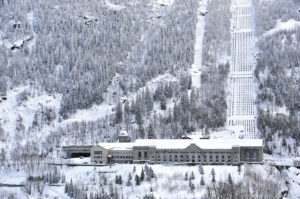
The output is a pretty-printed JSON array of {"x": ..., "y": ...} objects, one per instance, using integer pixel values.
[{"x": 242, "y": 111}]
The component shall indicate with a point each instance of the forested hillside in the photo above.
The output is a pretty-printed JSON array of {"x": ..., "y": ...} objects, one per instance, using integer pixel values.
[
  {"x": 103, "y": 66},
  {"x": 127, "y": 64},
  {"x": 278, "y": 74},
  {"x": 76, "y": 72}
]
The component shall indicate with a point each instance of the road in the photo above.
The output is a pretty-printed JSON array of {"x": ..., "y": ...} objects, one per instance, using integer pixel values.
[{"x": 241, "y": 104}]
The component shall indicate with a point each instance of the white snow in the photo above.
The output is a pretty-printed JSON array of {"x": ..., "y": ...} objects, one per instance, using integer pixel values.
[
  {"x": 19, "y": 43},
  {"x": 96, "y": 112},
  {"x": 243, "y": 2},
  {"x": 13, "y": 177},
  {"x": 113, "y": 6},
  {"x": 293, "y": 174},
  {"x": 197, "y": 65},
  {"x": 288, "y": 25},
  {"x": 280, "y": 110},
  {"x": 30, "y": 18},
  {"x": 123, "y": 133},
  {"x": 169, "y": 181},
  {"x": 91, "y": 114},
  {"x": 107, "y": 107},
  {"x": 280, "y": 160},
  {"x": 10, "y": 110},
  {"x": 84, "y": 160},
  {"x": 184, "y": 143},
  {"x": 229, "y": 132},
  {"x": 164, "y": 2},
  {"x": 242, "y": 110}
]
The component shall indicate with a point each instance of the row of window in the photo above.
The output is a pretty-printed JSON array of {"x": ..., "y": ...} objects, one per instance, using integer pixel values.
[
  {"x": 123, "y": 157},
  {"x": 250, "y": 155},
  {"x": 145, "y": 154},
  {"x": 192, "y": 152},
  {"x": 120, "y": 152},
  {"x": 193, "y": 158},
  {"x": 187, "y": 158},
  {"x": 97, "y": 156}
]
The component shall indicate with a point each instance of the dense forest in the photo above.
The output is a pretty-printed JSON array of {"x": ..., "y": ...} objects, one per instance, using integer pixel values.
[
  {"x": 77, "y": 72},
  {"x": 277, "y": 74},
  {"x": 141, "y": 51}
]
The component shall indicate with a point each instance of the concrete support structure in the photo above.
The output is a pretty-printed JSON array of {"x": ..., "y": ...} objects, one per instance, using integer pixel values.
[{"x": 242, "y": 110}]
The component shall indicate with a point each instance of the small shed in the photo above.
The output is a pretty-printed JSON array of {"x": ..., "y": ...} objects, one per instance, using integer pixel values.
[
  {"x": 297, "y": 162},
  {"x": 123, "y": 136}
]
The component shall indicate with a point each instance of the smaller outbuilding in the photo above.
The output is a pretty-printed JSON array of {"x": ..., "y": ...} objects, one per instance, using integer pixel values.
[
  {"x": 297, "y": 162},
  {"x": 123, "y": 136}
]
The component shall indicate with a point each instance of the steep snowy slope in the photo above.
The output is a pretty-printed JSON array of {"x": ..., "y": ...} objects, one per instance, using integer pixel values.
[
  {"x": 78, "y": 97},
  {"x": 132, "y": 65},
  {"x": 76, "y": 72},
  {"x": 26, "y": 117}
]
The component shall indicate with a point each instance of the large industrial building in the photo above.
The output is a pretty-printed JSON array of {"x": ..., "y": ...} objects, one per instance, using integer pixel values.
[{"x": 180, "y": 151}]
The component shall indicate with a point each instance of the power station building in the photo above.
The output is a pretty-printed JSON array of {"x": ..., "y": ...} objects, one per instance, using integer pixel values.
[{"x": 180, "y": 151}]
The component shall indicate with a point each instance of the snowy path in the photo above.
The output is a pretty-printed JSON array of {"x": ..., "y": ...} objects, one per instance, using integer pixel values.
[
  {"x": 241, "y": 104},
  {"x": 196, "y": 67}
]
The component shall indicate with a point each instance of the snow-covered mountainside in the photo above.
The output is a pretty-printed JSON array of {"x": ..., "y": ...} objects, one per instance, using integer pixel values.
[
  {"x": 278, "y": 75},
  {"x": 77, "y": 72},
  {"x": 122, "y": 65}
]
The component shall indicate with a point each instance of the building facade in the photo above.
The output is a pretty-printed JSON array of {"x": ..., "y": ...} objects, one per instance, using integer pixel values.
[{"x": 208, "y": 151}]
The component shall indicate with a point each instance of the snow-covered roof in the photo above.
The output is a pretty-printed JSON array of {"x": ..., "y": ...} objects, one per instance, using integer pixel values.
[
  {"x": 204, "y": 144},
  {"x": 182, "y": 144},
  {"x": 195, "y": 136},
  {"x": 118, "y": 145},
  {"x": 123, "y": 133}
]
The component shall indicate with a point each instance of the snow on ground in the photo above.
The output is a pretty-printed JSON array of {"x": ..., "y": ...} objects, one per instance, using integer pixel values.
[
  {"x": 30, "y": 18},
  {"x": 16, "y": 44},
  {"x": 231, "y": 132},
  {"x": 281, "y": 151},
  {"x": 293, "y": 174},
  {"x": 96, "y": 112},
  {"x": 55, "y": 192},
  {"x": 243, "y": 2},
  {"x": 113, "y": 6},
  {"x": 197, "y": 65},
  {"x": 164, "y": 2},
  {"x": 50, "y": 192},
  {"x": 107, "y": 107},
  {"x": 161, "y": 78},
  {"x": 280, "y": 110},
  {"x": 13, "y": 177},
  {"x": 169, "y": 181},
  {"x": 91, "y": 114},
  {"x": 228, "y": 132},
  {"x": 84, "y": 160},
  {"x": 10, "y": 110},
  {"x": 6, "y": 192},
  {"x": 278, "y": 160},
  {"x": 288, "y": 25}
]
